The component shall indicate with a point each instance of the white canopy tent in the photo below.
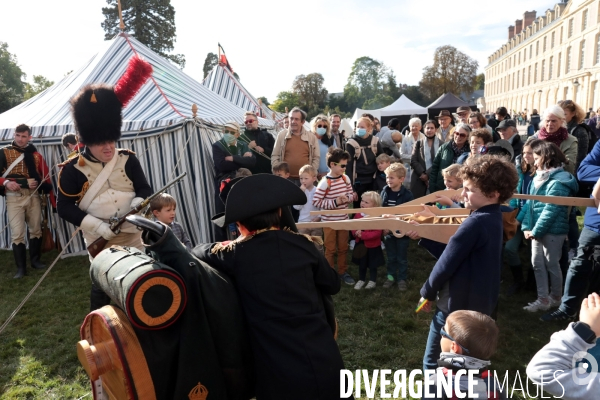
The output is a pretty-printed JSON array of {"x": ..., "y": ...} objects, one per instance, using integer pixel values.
[{"x": 402, "y": 106}]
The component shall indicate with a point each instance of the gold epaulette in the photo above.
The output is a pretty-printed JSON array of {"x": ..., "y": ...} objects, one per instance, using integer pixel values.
[
  {"x": 228, "y": 246},
  {"x": 314, "y": 239},
  {"x": 123, "y": 151},
  {"x": 84, "y": 188},
  {"x": 68, "y": 160}
]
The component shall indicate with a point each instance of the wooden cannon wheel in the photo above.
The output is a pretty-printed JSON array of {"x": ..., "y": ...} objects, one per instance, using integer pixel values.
[{"x": 112, "y": 357}]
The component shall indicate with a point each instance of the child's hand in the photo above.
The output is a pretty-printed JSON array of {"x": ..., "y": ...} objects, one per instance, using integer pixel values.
[
  {"x": 443, "y": 200},
  {"x": 425, "y": 213},
  {"x": 342, "y": 200},
  {"x": 248, "y": 154},
  {"x": 528, "y": 235},
  {"x": 355, "y": 196},
  {"x": 358, "y": 234},
  {"x": 303, "y": 188},
  {"x": 426, "y": 307},
  {"x": 316, "y": 219},
  {"x": 457, "y": 198},
  {"x": 590, "y": 312}
]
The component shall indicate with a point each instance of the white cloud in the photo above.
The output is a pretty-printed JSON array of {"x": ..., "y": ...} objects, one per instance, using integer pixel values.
[{"x": 269, "y": 42}]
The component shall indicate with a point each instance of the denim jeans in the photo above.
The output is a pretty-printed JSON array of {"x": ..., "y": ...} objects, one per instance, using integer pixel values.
[
  {"x": 579, "y": 272},
  {"x": 511, "y": 248},
  {"x": 397, "y": 257},
  {"x": 434, "y": 348},
  {"x": 545, "y": 256},
  {"x": 573, "y": 229}
]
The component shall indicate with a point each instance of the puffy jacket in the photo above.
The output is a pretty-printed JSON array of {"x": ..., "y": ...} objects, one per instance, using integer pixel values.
[
  {"x": 371, "y": 237},
  {"x": 545, "y": 218},
  {"x": 525, "y": 179}
]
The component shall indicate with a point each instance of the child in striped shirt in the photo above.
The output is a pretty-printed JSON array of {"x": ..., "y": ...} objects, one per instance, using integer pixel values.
[{"x": 334, "y": 192}]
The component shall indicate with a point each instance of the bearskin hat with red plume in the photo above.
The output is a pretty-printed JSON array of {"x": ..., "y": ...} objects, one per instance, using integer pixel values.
[{"x": 97, "y": 108}]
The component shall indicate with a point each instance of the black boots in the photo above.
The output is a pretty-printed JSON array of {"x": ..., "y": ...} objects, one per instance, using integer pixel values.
[
  {"x": 20, "y": 259},
  {"x": 35, "y": 251}
]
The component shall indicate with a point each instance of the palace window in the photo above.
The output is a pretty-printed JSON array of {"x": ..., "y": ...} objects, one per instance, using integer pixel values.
[
  {"x": 582, "y": 57},
  {"x": 571, "y": 23},
  {"x": 584, "y": 20},
  {"x": 568, "y": 61},
  {"x": 550, "y": 67}
]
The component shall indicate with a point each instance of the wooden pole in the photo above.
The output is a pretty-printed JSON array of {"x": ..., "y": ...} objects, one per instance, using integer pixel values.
[{"x": 121, "y": 23}]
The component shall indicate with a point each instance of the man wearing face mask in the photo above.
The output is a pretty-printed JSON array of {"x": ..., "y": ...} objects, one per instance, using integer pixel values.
[
  {"x": 260, "y": 141},
  {"x": 229, "y": 155}
]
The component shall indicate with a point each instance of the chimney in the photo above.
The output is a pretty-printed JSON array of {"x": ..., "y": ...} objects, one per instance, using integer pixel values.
[
  {"x": 511, "y": 32},
  {"x": 528, "y": 18},
  {"x": 518, "y": 26}
]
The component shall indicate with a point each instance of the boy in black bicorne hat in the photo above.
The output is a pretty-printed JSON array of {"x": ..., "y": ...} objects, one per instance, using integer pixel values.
[{"x": 284, "y": 285}]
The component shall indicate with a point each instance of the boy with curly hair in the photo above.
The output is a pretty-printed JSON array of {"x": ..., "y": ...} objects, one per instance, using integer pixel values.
[{"x": 467, "y": 274}]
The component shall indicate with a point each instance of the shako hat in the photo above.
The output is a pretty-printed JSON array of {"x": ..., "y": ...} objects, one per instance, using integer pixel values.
[
  {"x": 256, "y": 194},
  {"x": 96, "y": 109}
]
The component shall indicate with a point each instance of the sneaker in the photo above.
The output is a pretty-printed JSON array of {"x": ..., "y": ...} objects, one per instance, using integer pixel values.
[
  {"x": 359, "y": 285},
  {"x": 572, "y": 253},
  {"x": 388, "y": 284},
  {"x": 348, "y": 280},
  {"x": 371, "y": 285},
  {"x": 351, "y": 245},
  {"x": 557, "y": 315},
  {"x": 402, "y": 286},
  {"x": 541, "y": 304},
  {"x": 555, "y": 301}
]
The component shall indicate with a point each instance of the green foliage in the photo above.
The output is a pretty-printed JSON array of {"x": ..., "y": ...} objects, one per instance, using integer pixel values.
[
  {"x": 380, "y": 100},
  {"x": 210, "y": 62},
  {"x": 452, "y": 71},
  {"x": 309, "y": 89},
  {"x": 264, "y": 101},
  {"x": 414, "y": 93},
  {"x": 285, "y": 99},
  {"x": 11, "y": 79},
  {"x": 365, "y": 81},
  {"x": 480, "y": 85},
  {"x": 152, "y": 22},
  {"x": 40, "y": 83},
  {"x": 391, "y": 88}
]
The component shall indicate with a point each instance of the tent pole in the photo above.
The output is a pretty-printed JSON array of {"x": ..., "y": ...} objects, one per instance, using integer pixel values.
[{"x": 121, "y": 24}]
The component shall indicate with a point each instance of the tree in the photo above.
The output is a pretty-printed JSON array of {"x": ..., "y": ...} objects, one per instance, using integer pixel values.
[
  {"x": 452, "y": 71},
  {"x": 264, "y": 101},
  {"x": 366, "y": 79},
  {"x": 391, "y": 88},
  {"x": 309, "y": 89},
  {"x": 480, "y": 84},
  {"x": 152, "y": 22},
  {"x": 11, "y": 79},
  {"x": 379, "y": 101},
  {"x": 40, "y": 84},
  {"x": 414, "y": 93},
  {"x": 210, "y": 62},
  {"x": 285, "y": 99}
]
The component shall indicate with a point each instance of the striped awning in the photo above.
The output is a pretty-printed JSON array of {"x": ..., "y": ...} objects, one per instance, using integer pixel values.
[
  {"x": 163, "y": 101},
  {"x": 221, "y": 81}
]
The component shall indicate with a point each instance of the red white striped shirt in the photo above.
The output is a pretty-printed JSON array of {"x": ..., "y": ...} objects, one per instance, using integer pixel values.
[{"x": 328, "y": 190}]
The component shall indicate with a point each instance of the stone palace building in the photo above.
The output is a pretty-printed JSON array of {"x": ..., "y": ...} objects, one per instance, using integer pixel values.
[{"x": 548, "y": 58}]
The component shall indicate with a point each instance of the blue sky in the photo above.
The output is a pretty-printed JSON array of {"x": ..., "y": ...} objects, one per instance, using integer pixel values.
[{"x": 270, "y": 42}]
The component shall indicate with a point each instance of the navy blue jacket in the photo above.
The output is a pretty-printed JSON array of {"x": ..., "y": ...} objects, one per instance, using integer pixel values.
[
  {"x": 471, "y": 263},
  {"x": 404, "y": 196},
  {"x": 589, "y": 172}
]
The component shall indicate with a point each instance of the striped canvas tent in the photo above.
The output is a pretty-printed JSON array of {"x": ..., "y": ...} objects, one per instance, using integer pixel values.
[
  {"x": 221, "y": 81},
  {"x": 158, "y": 124}
]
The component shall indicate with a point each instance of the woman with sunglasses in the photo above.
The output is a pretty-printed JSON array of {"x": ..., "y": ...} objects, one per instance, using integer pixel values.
[
  {"x": 229, "y": 155},
  {"x": 321, "y": 129},
  {"x": 447, "y": 155}
]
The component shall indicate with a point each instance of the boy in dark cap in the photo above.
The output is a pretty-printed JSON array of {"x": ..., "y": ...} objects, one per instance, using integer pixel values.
[{"x": 284, "y": 285}]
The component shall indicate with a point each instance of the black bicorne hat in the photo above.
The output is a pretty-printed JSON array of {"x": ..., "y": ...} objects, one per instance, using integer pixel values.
[{"x": 256, "y": 194}]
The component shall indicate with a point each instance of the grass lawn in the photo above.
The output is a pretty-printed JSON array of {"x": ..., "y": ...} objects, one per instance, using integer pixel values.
[{"x": 378, "y": 329}]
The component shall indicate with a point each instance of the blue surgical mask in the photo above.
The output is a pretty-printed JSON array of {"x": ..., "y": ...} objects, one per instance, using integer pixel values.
[
  {"x": 321, "y": 131},
  {"x": 360, "y": 132},
  {"x": 229, "y": 138}
]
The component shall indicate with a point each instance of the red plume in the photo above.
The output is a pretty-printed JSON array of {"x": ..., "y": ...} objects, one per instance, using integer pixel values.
[{"x": 138, "y": 71}]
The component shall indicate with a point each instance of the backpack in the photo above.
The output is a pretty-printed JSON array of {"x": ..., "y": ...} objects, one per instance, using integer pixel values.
[
  {"x": 358, "y": 151},
  {"x": 592, "y": 138}
]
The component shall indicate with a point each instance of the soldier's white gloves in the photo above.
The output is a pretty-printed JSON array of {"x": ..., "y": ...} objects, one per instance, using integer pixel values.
[
  {"x": 97, "y": 226},
  {"x": 136, "y": 201}
]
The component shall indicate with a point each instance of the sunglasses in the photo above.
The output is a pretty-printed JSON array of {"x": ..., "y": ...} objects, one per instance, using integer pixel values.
[
  {"x": 341, "y": 165},
  {"x": 460, "y": 134},
  {"x": 323, "y": 126},
  {"x": 447, "y": 336},
  {"x": 249, "y": 121},
  {"x": 230, "y": 132}
]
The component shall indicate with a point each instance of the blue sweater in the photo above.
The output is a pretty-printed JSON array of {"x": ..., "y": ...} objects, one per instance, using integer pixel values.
[
  {"x": 471, "y": 264},
  {"x": 589, "y": 172},
  {"x": 404, "y": 196}
]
